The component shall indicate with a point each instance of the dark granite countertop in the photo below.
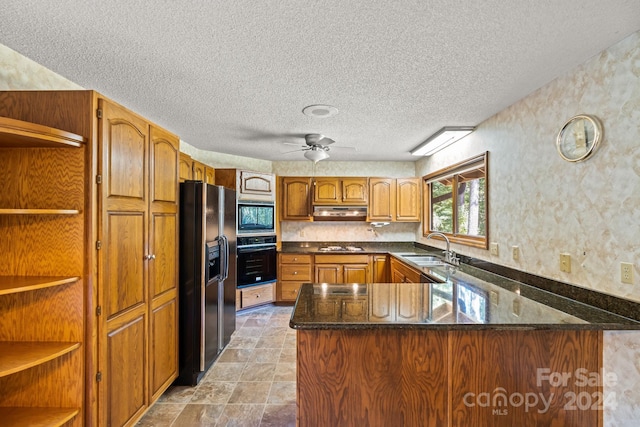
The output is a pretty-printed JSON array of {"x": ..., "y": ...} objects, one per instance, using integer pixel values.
[{"x": 484, "y": 301}]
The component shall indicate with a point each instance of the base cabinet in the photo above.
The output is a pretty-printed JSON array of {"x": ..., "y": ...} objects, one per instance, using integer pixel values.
[
  {"x": 402, "y": 273},
  {"x": 293, "y": 271},
  {"x": 342, "y": 269},
  {"x": 255, "y": 295}
]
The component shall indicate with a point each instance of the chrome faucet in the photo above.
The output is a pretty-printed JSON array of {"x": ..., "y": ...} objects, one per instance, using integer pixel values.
[{"x": 449, "y": 255}]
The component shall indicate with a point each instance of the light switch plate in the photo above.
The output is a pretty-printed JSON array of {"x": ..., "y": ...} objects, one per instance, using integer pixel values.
[
  {"x": 565, "y": 263},
  {"x": 515, "y": 253},
  {"x": 494, "y": 249}
]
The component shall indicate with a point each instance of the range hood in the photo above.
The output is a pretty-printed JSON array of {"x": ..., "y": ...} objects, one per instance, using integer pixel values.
[{"x": 339, "y": 213}]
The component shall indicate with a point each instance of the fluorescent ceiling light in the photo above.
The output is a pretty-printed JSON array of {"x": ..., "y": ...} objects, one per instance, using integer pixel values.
[
  {"x": 444, "y": 137},
  {"x": 316, "y": 154}
]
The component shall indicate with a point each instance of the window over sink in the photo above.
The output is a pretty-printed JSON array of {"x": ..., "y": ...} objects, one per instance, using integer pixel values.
[{"x": 456, "y": 202}]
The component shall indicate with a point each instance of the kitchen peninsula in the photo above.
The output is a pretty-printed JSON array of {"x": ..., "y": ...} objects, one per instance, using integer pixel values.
[{"x": 499, "y": 353}]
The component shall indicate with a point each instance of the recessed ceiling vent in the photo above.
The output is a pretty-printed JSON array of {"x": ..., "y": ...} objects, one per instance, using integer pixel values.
[{"x": 320, "y": 111}]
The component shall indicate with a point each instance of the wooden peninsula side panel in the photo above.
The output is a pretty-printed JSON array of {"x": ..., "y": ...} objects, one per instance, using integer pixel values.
[
  {"x": 526, "y": 378},
  {"x": 350, "y": 377},
  {"x": 439, "y": 377}
]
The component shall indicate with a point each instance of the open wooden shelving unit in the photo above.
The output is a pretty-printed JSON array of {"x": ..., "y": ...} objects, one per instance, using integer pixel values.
[
  {"x": 20, "y": 134},
  {"x": 41, "y": 275},
  {"x": 15, "y": 284}
]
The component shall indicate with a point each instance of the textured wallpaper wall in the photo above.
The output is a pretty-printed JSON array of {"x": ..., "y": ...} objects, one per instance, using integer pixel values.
[
  {"x": 20, "y": 73},
  {"x": 547, "y": 206}
]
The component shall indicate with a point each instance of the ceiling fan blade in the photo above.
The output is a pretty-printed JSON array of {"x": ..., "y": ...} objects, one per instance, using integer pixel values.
[
  {"x": 345, "y": 148},
  {"x": 293, "y": 151},
  {"x": 325, "y": 141},
  {"x": 294, "y": 143}
]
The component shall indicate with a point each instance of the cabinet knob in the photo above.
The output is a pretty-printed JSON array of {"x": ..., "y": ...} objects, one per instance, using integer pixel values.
[
  {"x": 150, "y": 256},
  {"x": 295, "y": 272},
  {"x": 295, "y": 259}
]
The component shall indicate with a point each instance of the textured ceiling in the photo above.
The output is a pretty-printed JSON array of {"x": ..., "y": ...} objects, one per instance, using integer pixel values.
[{"x": 233, "y": 77}]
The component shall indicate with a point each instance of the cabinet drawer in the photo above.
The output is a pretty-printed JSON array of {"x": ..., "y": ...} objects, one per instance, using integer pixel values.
[
  {"x": 257, "y": 295},
  {"x": 295, "y": 272},
  {"x": 289, "y": 290},
  {"x": 295, "y": 259},
  {"x": 342, "y": 259}
]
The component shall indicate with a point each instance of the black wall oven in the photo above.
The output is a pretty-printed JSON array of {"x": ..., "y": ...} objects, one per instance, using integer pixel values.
[{"x": 257, "y": 262}]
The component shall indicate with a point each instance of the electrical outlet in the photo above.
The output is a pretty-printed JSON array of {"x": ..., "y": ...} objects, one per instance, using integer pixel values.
[
  {"x": 516, "y": 307},
  {"x": 565, "y": 263},
  {"x": 494, "y": 298},
  {"x": 301, "y": 233},
  {"x": 515, "y": 252},
  {"x": 494, "y": 249},
  {"x": 626, "y": 272}
]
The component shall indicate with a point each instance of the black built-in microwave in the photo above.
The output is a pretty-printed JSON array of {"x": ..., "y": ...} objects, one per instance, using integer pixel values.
[{"x": 256, "y": 217}]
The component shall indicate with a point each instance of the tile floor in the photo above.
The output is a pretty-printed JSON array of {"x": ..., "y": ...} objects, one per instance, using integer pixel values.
[{"x": 252, "y": 383}]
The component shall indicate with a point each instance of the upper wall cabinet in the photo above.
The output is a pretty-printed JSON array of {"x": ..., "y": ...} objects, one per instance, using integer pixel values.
[
  {"x": 408, "y": 199},
  {"x": 248, "y": 184},
  {"x": 198, "y": 171},
  {"x": 336, "y": 191},
  {"x": 394, "y": 199},
  {"x": 296, "y": 194},
  {"x": 185, "y": 167}
]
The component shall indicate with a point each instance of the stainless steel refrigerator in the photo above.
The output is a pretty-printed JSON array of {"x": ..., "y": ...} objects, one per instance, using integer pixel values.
[{"x": 207, "y": 276}]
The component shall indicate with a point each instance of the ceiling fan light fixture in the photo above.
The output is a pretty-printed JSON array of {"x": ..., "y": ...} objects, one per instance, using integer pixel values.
[
  {"x": 441, "y": 139},
  {"x": 316, "y": 154},
  {"x": 320, "y": 111}
]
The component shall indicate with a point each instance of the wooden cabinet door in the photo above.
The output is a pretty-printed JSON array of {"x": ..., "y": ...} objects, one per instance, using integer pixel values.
[
  {"x": 255, "y": 185},
  {"x": 382, "y": 199},
  {"x": 123, "y": 279},
  {"x": 209, "y": 175},
  {"x": 328, "y": 273},
  {"x": 379, "y": 269},
  {"x": 163, "y": 262},
  {"x": 327, "y": 191},
  {"x": 408, "y": 199},
  {"x": 198, "y": 171},
  {"x": 354, "y": 191},
  {"x": 296, "y": 204},
  {"x": 356, "y": 273},
  {"x": 185, "y": 167}
]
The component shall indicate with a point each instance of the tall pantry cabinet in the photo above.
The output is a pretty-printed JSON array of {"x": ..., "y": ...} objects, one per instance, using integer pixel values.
[{"x": 127, "y": 176}]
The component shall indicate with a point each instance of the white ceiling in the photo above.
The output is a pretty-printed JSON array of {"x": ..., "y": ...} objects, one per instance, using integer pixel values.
[{"x": 234, "y": 76}]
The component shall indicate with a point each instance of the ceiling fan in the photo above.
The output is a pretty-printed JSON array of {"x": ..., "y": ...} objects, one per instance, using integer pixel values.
[{"x": 316, "y": 147}]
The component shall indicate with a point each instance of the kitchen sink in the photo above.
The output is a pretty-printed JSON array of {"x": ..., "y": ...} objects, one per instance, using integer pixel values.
[
  {"x": 422, "y": 258},
  {"x": 430, "y": 263}
]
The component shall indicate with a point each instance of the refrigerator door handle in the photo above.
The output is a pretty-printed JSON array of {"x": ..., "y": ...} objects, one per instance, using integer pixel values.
[{"x": 225, "y": 263}]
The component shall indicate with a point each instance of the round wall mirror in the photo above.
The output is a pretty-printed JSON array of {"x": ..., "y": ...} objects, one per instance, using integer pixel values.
[{"x": 579, "y": 137}]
